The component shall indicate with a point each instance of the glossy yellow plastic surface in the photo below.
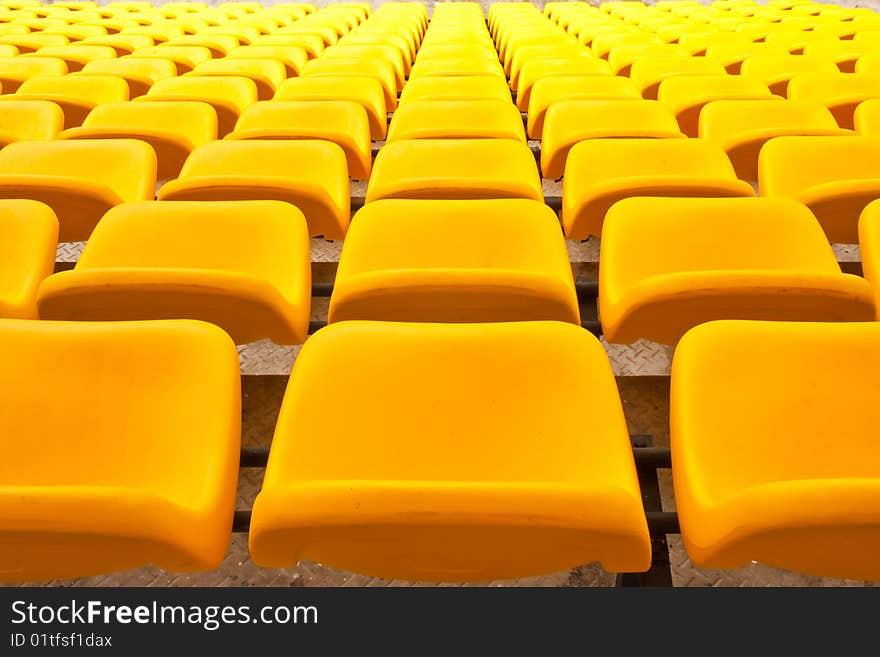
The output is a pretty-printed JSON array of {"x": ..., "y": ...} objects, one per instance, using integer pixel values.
[
  {"x": 600, "y": 172},
  {"x": 397, "y": 269},
  {"x": 622, "y": 58},
  {"x": 844, "y": 53},
  {"x": 312, "y": 175},
  {"x": 869, "y": 246},
  {"x": 365, "y": 91},
  {"x": 172, "y": 128},
  {"x": 379, "y": 69},
  {"x": 76, "y": 95},
  {"x": 267, "y": 74},
  {"x": 27, "y": 120},
  {"x": 839, "y": 92},
  {"x": 77, "y": 56},
  {"x": 147, "y": 475},
  {"x": 28, "y": 43},
  {"x": 686, "y": 95},
  {"x": 742, "y": 127},
  {"x": 456, "y": 119},
  {"x": 776, "y": 71},
  {"x": 513, "y": 469},
  {"x": 547, "y": 91},
  {"x": 866, "y": 119},
  {"x": 27, "y": 254},
  {"x": 228, "y": 95},
  {"x": 15, "y": 70},
  {"x": 177, "y": 260},
  {"x": 715, "y": 264},
  {"x": 454, "y": 169},
  {"x": 312, "y": 44},
  {"x": 457, "y": 87},
  {"x": 293, "y": 58},
  {"x": 537, "y": 69},
  {"x": 220, "y": 45},
  {"x": 139, "y": 73},
  {"x": 835, "y": 176},
  {"x": 796, "y": 402},
  {"x": 184, "y": 57},
  {"x": 74, "y": 179},
  {"x": 123, "y": 44},
  {"x": 732, "y": 55},
  {"x": 568, "y": 122},
  {"x": 648, "y": 73},
  {"x": 387, "y": 53},
  {"x": 343, "y": 122}
]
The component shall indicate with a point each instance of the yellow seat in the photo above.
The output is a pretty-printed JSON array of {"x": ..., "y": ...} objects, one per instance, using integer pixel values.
[
  {"x": 173, "y": 129},
  {"x": 696, "y": 43},
  {"x": 244, "y": 34},
  {"x": 146, "y": 475},
  {"x": 342, "y": 122},
  {"x": 327, "y": 35},
  {"x": 568, "y": 122},
  {"x": 601, "y": 172},
  {"x": 365, "y": 91},
  {"x": 312, "y": 175},
  {"x": 77, "y": 56},
  {"x": 293, "y": 58},
  {"x": 177, "y": 260},
  {"x": 777, "y": 70},
  {"x": 456, "y": 87},
  {"x": 686, "y": 95},
  {"x": 185, "y": 58},
  {"x": 456, "y": 119},
  {"x": 267, "y": 74},
  {"x": 76, "y": 95},
  {"x": 29, "y": 120},
  {"x": 139, "y": 73},
  {"x": 513, "y": 267},
  {"x": 622, "y": 58},
  {"x": 123, "y": 44},
  {"x": 74, "y": 179},
  {"x": 228, "y": 95},
  {"x": 603, "y": 44},
  {"x": 839, "y": 92},
  {"x": 427, "y": 67},
  {"x": 378, "y": 69},
  {"x": 312, "y": 44},
  {"x": 159, "y": 33},
  {"x": 537, "y": 52},
  {"x": 796, "y": 404},
  {"x": 836, "y": 177},
  {"x": 538, "y": 69},
  {"x": 647, "y": 73},
  {"x": 513, "y": 469},
  {"x": 405, "y": 46},
  {"x": 547, "y": 91},
  {"x": 732, "y": 55},
  {"x": 715, "y": 264},
  {"x": 869, "y": 246},
  {"x": 220, "y": 45},
  {"x": 454, "y": 169},
  {"x": 29, "y": 43},
  {"x": 866, "y": 118},
  {"x": 742, "y": 127},
  {"x": 844, "y": 53},
  {"x": 16, "y": 70},
  {"x": 27, "y": 255},
  {"x": 77, "y": 33}
]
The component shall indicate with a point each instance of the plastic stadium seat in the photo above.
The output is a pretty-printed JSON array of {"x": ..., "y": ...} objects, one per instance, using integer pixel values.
[
  {"x": 514, "y": 265},
  {"x": 173, "y": 129},
  {"x": 568, "y": 122},
  {"x": 327, "y": 35},
  {"x": 742, "y": 127},
  {"x": 267, "y": 74},
  {"x": 28, "y": 120},
  {"x": 29, "y": 43},
  {"x": 600, "y": 172},
  {"x": 312, "y": 44},
  {"x": 379, "y": 69},
  {"x": 340, "y": 121},
  {"x": 16, "y": 70},
  {"x": 365, "y": 91},
  {"x": 159, "y": 33},
  {"x": 146, "y": 475},
  {"x": 869, "y": 245},
  {"x": 550, "y": 90},
  {"x": 312, "y": 175},
  {"x": 139, "y": 73},
  {"x": 697, "y": 43},
  {"x": 454, "y": 169},
  {"x": 839, "y": 92},
  {"x": 245, "y": 35},
  {"x": 686, "y": 95},
  {"x": 177, "y": 260},
  {"x": 74, "y": 179},
  {"x": 776, "y": 71},
  {"x": 293, "y": 58},
  {"x": 647, "y": 74},
  {"x": 220, "y": 45},
  {"x": 456, "y": 119},
  {"x": 228, "y": 95},
  {"x": 836, "y": 177},
  {"x": 732, "y": 55},
  {"x": 27, "y": 255},
  {"x": 456, "y": 87},
  {"x": 866, "y": 118},
  {"x": 712, "y": 267},
  {"x": 123, "y": 44},
  {"x": 427, "y": 67},
  {"x": 538, "y": 69},
  {"x": 513, "y": 469},
  {"x": 622, "y": 58},
  {"x": 184, "y": 57},
  {"x": 844, "y": 53},
  {"x": 76, "y": 95},
  {"x": 869, "y": 64},
  {"x": 77, "y": 56},
  {"x": 772, "y": 433}
]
